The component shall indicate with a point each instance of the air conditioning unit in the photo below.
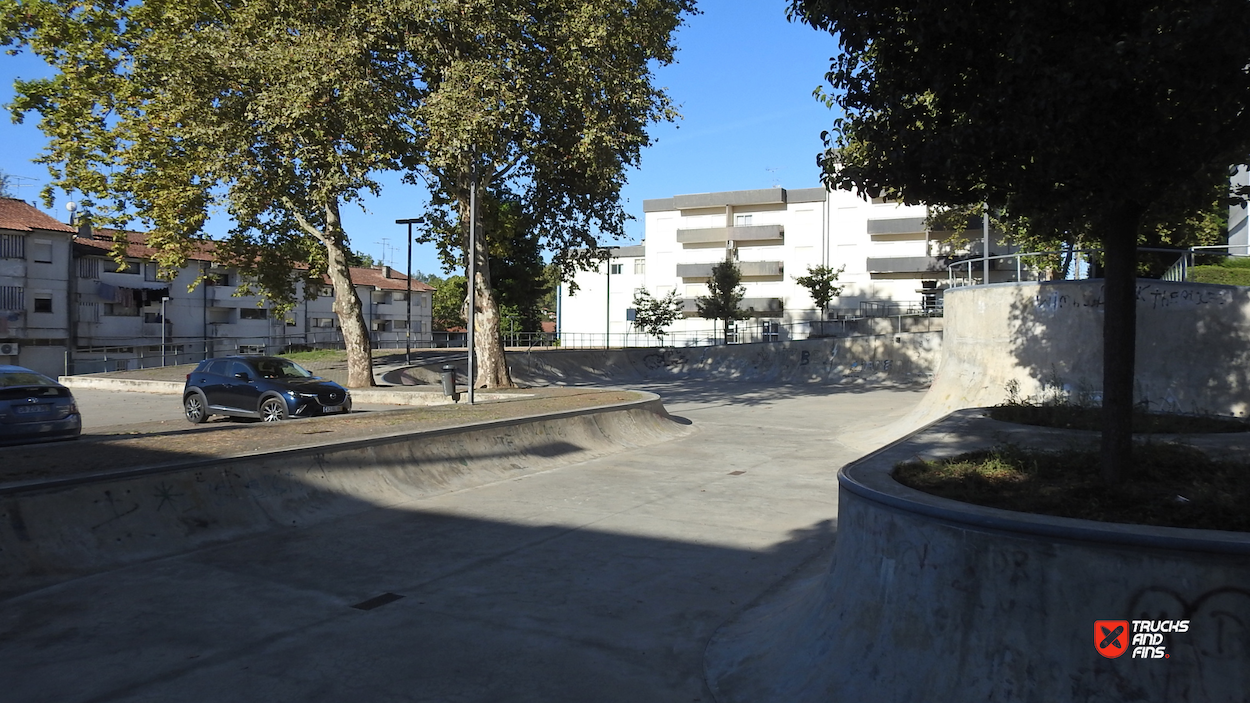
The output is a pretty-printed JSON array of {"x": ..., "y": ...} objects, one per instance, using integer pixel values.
[{"x": 8, "y": 348}]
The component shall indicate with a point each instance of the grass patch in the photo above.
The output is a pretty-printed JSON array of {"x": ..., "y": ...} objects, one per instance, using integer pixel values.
[
  {"x": 1173, "y": 485},
  {"x": 301, "y": 357},
  {"x": 1076, "y": 417}
]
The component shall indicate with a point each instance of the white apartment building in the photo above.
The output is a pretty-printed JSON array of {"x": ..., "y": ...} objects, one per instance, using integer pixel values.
[
  {"x": 61, "y": 292},
  {"x": 891, "y": 263}
]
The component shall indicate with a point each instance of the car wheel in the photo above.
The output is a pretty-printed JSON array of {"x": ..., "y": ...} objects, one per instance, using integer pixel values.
[
  {"x": 272, "y": 410},
  {"x": 195, "y": 409}
]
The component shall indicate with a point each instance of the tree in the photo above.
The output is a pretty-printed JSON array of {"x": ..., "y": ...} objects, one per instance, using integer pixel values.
[
  {"x": 1090, "y": 113},
  {"x": 652, "y": 315},
  {"x": 549, "y": 100},
  {"x": 276, "y": 111},
  {"x": 6, "y": 186},
  {"x": 725, "y": 293},
  {"x": 448, "y": 302},
  {"x": 819, "y": 281}
]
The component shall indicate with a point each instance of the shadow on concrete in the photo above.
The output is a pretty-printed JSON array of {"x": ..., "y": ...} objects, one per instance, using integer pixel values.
[
  {"x": 1193, "y": 344},
  {"x": 535, "y": 605}
]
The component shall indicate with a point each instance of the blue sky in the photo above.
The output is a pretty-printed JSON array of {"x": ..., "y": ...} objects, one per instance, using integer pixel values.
[{"x": 743, "y": 79}]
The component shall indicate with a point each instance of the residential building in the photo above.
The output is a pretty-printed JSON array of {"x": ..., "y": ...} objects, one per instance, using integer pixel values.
[
  {"x": 113, "y": 317},
  {"x": 891, "y": 262}
]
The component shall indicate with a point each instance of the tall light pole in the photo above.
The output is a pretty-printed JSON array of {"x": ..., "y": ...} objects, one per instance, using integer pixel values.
[
  {"x": 472, "y": 272},
  {"x": 163, "y": 301},
  {"x": 607, "y": 310},
  {"x": 408, "y": 275}
]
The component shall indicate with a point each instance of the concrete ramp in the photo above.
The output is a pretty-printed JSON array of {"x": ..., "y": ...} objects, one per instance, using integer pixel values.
[
  {"x": 902, "y": 358},
  {"x": 60, "y": 530}
]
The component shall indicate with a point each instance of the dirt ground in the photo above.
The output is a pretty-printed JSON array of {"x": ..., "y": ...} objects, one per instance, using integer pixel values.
[{"x": 155, "y": 443}]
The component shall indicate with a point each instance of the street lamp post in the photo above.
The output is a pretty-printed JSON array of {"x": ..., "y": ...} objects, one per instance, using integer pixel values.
[
  {"x": 408, "y": 275},
  {"x": 163, "y": 301},
  {"x": 607, "y": 310}
]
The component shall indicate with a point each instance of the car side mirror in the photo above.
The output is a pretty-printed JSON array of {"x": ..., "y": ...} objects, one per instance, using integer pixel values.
[{"x": 242, "y": 376}]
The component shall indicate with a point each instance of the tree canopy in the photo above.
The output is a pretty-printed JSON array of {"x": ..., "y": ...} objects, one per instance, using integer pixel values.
[
  {"x": 725, "y": 294},
  {"x": 549, "y": 101},
  {"x": 278, "y": 112},
  {"x": 819, "y": 282},
  {"x": 653, "y": 315},
  {"x": 1071, "y": 113}
]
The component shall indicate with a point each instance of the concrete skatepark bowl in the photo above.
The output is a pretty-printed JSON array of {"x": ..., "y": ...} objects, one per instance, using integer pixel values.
[
  {"x": 541, "y": 576},
  {"x": 604, "y": 576}
]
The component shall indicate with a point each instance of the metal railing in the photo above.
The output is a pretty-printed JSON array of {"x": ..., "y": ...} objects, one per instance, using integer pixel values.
[{"x": 963, "y": 273}]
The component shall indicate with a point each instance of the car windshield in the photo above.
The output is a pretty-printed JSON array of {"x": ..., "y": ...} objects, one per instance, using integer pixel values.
[
  {"x": 24, "y": 378},
  {"x": 280, "y": 368}
]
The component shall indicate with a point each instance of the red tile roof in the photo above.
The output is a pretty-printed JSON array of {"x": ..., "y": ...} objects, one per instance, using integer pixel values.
[
  {"x": 382, "y": 277},
  {"x": 136, "y": 246},
  {"x": 21, "y": 216}
]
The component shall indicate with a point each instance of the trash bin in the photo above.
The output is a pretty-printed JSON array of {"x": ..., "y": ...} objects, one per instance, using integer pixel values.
[{"x": 449, "y": 382}]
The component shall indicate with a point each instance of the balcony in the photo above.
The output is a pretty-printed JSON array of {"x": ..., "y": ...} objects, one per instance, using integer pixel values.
[
  {"x": 748, "y": 269},
  {"x": 751, "y": 235},
  {"x": 760, "y": 307},
  {"x": 906, "y": 265}
]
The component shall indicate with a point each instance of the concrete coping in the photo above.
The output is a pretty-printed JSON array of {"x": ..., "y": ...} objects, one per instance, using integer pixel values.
[
  {"x": 871, "y": 478},
  {"x": 647, "y": 401}
]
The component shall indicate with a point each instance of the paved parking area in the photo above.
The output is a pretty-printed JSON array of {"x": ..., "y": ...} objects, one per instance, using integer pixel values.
[
  {"x": 109, "y": 408},
  {"x": 599, "y": 581}
]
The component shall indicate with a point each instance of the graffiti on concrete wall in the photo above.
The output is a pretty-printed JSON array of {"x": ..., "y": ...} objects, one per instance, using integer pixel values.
[
  {"x": 1150, "y": 296},
  {"x": 665, "y": 359}
]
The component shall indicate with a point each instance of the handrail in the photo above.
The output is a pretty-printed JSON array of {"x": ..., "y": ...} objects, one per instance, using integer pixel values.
[{"x": 1184, "y": 263}]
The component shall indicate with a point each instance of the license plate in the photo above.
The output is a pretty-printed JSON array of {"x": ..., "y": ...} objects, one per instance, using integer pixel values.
[
  {"x": 31, "y": 409},
  {"x": 332, "y": 408}
]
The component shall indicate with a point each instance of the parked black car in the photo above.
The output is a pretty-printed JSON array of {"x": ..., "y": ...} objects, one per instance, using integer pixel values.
[
  {"x": 34, "y": 408},
  {"x": 266, "y": 387}
]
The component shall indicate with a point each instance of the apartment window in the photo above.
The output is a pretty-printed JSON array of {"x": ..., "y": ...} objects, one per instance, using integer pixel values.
[
  {"x": 399, "y": 324},
  {"x": 131, "y": 267},
  {"x": 399, "y": 296},
  {"x": 742, "y": 220},
  {"x": 41, "y": 251},
  {"x": 323, "y": 322},
  {"x": 617, "y": 268},
  {"x": 217, "y": 278},
  {"x": 43, "y": 303},
  {"x": 12, "y": 246},
  {"x": 290, "y": 322},
  {"x": 151, "y": 317},
  {"x": 416, "y": 326},
  {"x": 640, "y": 266},
  {"x": 89, "y": 267},
  {"x": 249, "y": 349},
  {"x": 12, "y": 298},
  {"x": 150, "y": 271},
  {"x": 378, "y": 325},
  {"x": 253, "y": 314}
]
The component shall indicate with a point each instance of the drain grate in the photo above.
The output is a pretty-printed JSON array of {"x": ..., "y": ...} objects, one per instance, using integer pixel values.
[{"x": 377, "y": 601}]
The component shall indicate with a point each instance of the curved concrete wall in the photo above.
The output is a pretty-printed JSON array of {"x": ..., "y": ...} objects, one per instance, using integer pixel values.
[
  {"x": 1193, "y": 347},
  {"x": 59, "y": 530},
  {"x": 904, "y": 357},
  {"x": 934, "y": 600}
]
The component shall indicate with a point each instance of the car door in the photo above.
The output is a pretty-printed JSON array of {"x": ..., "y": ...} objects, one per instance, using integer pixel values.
[
  {"x": 211, "y": 380},
  {"x": 241, "y": 393}
]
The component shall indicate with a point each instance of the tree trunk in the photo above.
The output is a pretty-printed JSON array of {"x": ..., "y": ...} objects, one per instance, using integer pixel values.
[
  {"x": 347, "y": 303},
  {"x": 492, "y": 367},
  {"x": 1119, "y": 340}
]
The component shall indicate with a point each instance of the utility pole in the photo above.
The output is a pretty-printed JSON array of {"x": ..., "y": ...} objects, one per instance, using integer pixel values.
[{"x": 408, "y": 275}]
